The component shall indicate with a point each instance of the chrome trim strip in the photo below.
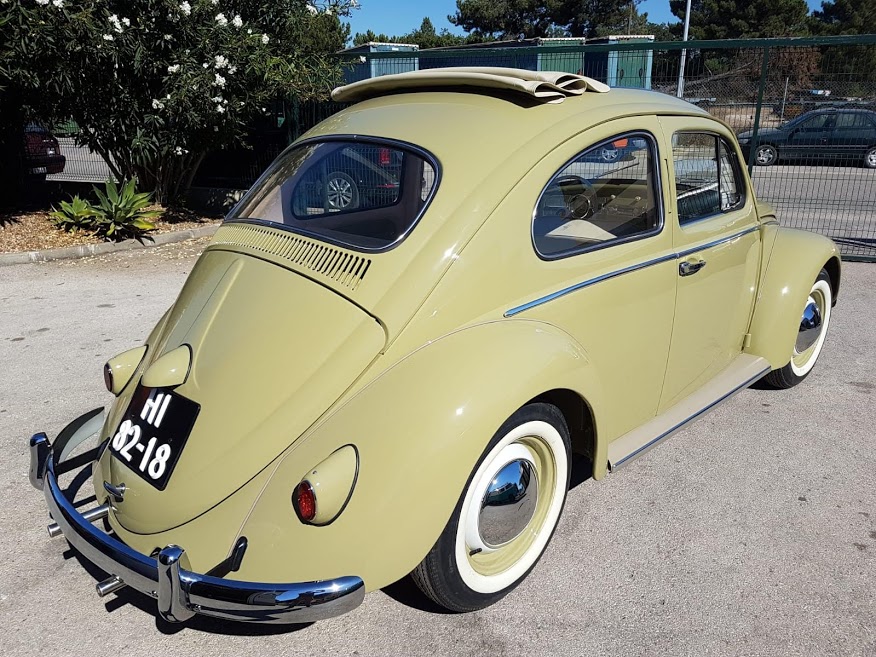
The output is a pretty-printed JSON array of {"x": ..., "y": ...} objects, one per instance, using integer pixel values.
[
  {"x": 723, "y": 240},
  {"x": 626, "y": 270},
  {"x": 180, "y": 592},
  {"x": 682, "y": 424},
  {"x": 593, "y": 281}
]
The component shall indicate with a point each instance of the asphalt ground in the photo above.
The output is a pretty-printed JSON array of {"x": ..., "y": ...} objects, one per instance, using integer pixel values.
[{"x": 753, "y": 532}]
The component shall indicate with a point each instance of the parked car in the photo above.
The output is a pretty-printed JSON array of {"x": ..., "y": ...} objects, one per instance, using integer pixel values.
[
  {"x": 42, "y": 152},
  {"x": 338, "y": 399},
  {"x": 828, "y": 134}
]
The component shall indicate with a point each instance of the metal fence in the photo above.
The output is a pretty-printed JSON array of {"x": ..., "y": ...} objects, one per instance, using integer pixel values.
[{"x": 800, "y": 106}]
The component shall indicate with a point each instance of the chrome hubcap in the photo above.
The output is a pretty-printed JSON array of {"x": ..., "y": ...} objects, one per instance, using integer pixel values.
[
  {"x": 609, "y": 154},
  {"x": 810, "y": 327},
  {"x": 509, "y": 503},
  {"x": 339, "y": 192},
  {"x": 764, "y": 155},
  {"x": 871, "y": 158}
]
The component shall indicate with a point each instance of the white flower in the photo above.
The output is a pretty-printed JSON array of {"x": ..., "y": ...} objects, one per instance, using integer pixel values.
[
  {"x": 215, "y": 2},
  {"x": 179, "y": 150},
  {"x": 328, "y": 12},
  {"x": 220, "y": 18},
  {"x": 221, "y": 61},
  {"x": 217, "y": 99},
  {"x": 354, "y": 3},
  {"x": 237, "y": 21},
  {"x": 157, "y": 104},
  {"x": 249, "y": 31},
  {"x": 168, "y": 37},
  {"x": 313, "y": 10},
  {"x": 185, "y": 8},
  {"x": 173, "y": 69},
  {"x": 265, "y": 38},
  {"x": 116, "y": 23},
  {"x": 232, "y": 70},
  {"x": 58, "y": 3},
  {"x": 126, "y": 21},
  {"x": 43, "y": 2},
  {"x": 106, "y": 37},
  {"x": 220, "y": 109},
  {"x": 219, "y": 81}
]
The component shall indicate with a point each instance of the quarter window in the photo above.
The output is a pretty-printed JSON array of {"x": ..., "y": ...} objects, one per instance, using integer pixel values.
[
  {"x": 707, "y": 176},
  {"x": 604, "y": 196}
]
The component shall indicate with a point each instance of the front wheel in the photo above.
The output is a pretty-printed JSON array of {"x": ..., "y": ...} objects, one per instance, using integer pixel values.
[
  {"x": 766, "y": 155},
  {"x": 810, "y": 336},
  {"x": 505, "y": 516},
  {"x": 870, "y": 158}
]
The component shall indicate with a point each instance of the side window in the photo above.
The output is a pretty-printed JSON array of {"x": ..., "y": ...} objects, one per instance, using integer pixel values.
[
  {"x": 607, "y": 194},
  {"x": 850, "y": 120},
  {"x": 707, "y": 176}
]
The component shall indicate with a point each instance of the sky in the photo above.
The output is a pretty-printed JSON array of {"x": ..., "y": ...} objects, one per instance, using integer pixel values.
[{"x": 394, "y": 17}]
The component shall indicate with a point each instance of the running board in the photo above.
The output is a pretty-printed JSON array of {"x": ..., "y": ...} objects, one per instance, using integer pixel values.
[{"x": 741, "y": 373}]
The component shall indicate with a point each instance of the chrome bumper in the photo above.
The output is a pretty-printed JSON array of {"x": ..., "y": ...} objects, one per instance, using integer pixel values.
[{"x": 181, "y": 593}]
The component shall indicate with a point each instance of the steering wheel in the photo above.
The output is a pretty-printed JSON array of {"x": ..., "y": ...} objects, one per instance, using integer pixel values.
[{"x": 579, "y": 196}]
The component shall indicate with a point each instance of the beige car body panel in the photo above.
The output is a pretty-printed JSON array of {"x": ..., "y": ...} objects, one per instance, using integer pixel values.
[{"x": 418, "y": 354}]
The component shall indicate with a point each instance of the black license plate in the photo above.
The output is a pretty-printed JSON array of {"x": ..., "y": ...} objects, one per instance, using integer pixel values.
[{"x": 153, "y": 432}]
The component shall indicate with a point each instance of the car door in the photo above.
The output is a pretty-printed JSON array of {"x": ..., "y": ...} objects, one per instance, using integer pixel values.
[
  {"x": 810, "y": 140},
  {"x": 717, "y": 246},
  {"x": 852, "y": 135},
  {"x": 606, "y": 264}
]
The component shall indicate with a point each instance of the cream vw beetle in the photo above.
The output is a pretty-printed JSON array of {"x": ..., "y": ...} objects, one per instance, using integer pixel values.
[{"x": 383, "y": 360}]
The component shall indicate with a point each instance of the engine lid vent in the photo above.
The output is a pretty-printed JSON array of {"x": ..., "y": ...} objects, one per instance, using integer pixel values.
[{"x": 339, "y": 265}]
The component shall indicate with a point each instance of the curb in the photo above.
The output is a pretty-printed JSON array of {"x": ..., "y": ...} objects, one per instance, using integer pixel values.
[{"x": 85, "y": 250}]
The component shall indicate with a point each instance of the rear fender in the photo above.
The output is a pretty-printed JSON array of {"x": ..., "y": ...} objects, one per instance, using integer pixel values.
[
  {"x": 419, "y": 428},
  {"x": 791, "y": 268}
]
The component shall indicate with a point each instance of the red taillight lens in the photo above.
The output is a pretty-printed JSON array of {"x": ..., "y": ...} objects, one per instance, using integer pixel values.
[
  {"x": 305, "y": 501},
  {"x": 108, "y": 377},
  {"x": 385, "y": 157}
]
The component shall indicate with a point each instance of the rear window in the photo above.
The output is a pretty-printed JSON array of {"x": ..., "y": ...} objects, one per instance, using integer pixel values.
[{"x": 363, "y": 194}]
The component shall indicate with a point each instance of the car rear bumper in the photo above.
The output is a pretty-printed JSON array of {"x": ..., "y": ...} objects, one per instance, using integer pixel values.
[
  {"x": 165, "y": 576},
  {"x": 46, "y": 164}
]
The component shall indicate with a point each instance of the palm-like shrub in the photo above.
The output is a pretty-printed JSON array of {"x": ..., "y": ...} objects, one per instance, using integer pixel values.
[{"x": 118, "y": 214}]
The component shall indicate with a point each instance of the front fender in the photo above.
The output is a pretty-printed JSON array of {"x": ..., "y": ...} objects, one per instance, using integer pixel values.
[
  {"x": 420, "y": 428},
  {"x": 793, "y": 264}
]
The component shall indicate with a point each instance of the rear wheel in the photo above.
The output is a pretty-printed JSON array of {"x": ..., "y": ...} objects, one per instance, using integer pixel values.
[
  {"x": 341, "y": 191},
  {"x": 609, "y": 154},
  {"x": 506, "y": 515},
  {"x": 810, "y": 336}
]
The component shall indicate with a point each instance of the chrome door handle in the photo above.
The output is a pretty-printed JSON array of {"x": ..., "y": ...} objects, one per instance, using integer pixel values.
[{"x": 687, "y": 268}]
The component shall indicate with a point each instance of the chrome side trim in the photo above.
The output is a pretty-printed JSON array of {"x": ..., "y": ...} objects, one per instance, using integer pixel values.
[
  {"x": 669, "y": 432},
  {"x": 593, "y": 281},
  {"x": 626, "y": 270},
  {"x": 723, "y": 240}
]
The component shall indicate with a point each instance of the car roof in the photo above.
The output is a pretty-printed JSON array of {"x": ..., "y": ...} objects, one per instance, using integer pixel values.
[{"x": 451, "y": 121}]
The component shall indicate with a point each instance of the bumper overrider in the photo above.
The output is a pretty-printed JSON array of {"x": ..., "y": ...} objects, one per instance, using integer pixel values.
[{"x": 166, "y": 577}]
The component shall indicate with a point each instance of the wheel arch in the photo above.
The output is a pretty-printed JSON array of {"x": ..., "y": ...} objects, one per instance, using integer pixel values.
[
  {"x": 579, "y": 418},
  {"x": 793, "y": 264}
]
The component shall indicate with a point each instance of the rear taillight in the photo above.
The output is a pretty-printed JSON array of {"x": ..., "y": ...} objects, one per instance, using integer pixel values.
[
  {"x": 384, "y": 157},
  {"x": 304, "y": 500}
]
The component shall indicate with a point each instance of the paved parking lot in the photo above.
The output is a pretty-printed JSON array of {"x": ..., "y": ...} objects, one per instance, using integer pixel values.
[{"x": 751, "y": 533}]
